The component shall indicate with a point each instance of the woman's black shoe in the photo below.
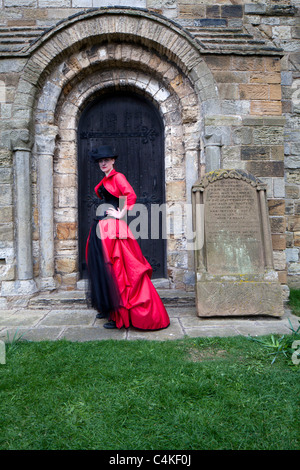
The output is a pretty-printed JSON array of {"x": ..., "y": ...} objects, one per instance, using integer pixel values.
[
  {"x": 110, "y": 325},
  {"x": 101, "y": 315}
]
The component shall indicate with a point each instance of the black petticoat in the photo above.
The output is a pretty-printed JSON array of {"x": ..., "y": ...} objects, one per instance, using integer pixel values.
[{"x": 102, "y": 294}]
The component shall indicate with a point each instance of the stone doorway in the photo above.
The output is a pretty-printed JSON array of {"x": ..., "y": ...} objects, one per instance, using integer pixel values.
[{"x": 131, "y": 124}]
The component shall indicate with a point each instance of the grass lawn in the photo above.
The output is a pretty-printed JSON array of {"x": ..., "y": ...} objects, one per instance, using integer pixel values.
[
  {"x": 294, "y": 301},
  {"x": 190, "y": 394}
]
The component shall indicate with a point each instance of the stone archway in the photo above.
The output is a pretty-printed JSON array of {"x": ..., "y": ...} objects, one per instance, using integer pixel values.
[
  {"x": 177, "y": 104},
  {"x": 156, "y": 59}
]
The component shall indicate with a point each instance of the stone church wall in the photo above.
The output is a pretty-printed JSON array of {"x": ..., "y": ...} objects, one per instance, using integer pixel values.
[{"x": 255, "y": 125}]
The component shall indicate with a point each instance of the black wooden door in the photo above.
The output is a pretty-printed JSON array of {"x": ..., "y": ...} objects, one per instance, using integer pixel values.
[{"x": 133, "y": 127}]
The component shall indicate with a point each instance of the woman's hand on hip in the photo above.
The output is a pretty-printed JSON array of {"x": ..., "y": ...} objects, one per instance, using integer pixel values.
[{"x": 116, "y": 213}]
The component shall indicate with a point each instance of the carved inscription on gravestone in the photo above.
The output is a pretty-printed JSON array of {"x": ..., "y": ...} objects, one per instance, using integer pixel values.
[{"x": 233, "y": 228}]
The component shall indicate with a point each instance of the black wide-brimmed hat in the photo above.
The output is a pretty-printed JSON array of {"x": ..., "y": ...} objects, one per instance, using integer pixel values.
[{"x": 104, "y": 151}]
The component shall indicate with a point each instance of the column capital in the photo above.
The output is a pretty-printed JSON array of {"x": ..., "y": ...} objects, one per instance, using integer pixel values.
[
  {"x": 21, "y": 139},
  {"x": 213, "y": 139},
  {"x": 45, "y": 140}
]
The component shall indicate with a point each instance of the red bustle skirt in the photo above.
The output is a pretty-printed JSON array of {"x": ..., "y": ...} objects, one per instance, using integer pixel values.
[{"x": 140, "y": 306}]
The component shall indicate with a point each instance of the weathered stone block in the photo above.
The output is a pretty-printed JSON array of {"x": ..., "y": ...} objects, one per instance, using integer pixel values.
[
  {"x": 6, "y": 214},
  {"x": 229, "y": 91},
  {"x": 282, "y": 277},
  {"x": 294, "y": 268},
  {"x": 239, "y": 298},
  {"x": 268, "y": 77},
  {"x": 295, "y": 149},
  {"x": 5, "y": 158},
  {"x": 266, "y": 107},
  {"x": 65, "y": 165},
  {"x": 242, "y": 135},
  {"x": 231, "y": 76},
  {"x": 64, "y": 180},
  {"x": 258, "y": 169},
  {"x": 278, "y": 224},
  {"x": 279, "y": 260},
  {"x": 275, "y": 92},
  {"x": 67, "y": 197},
  {"x": 175, "y": 190},
  {"x": 297, "y": 208},
  {"x": 292, "y": 162},
  {"x": 297, "y": 238},
  {"x": 278, "y": 241},
  {"x": 293, "y": 281},
  {"x": 292, "y": 254},
  {"x": 268, "y": 135},
  {"x": 290, "y": 207},
  {"x": 5, "y": 195},
  {"x": 69, "y": 281},
  {"x": 248, "y": 63},
  {"x": 230, "y": 155},
  {"x": 282, "y": 32},
  {"x": 277, "y": 152},
  {"x": 255, "y": 8},
  {"x": 66, "y": 265},
  {"x": 218, "y": 62},
  {"x": 66, "y": 230},
  {"x": 292, "y": 191},
  {"x": 293, "y": 223},
  {"x": 211, "y": 22},
  {"x": 237, "y": 107},
  {"x": 272, "y": 64},
  {"x": 255, "y": 153},
  {"x": 7, "y": 272},
  {"x": 276, "y": 206},
  {"x": 231, "y": 11},
  {"x": 6, "y": 175},
  {"x": 213, "y": 11},
  {"x": 254, "y": 92},
  {"x": 278, "y": 187}
]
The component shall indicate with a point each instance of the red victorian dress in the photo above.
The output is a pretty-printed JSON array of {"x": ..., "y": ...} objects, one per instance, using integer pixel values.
[{"x": 120, "y": 276}]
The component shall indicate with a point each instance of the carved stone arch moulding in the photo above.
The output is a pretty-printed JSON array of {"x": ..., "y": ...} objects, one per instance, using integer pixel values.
[
  {"x": 74, "y": 83},
  {"x": 102, "y": 27}
]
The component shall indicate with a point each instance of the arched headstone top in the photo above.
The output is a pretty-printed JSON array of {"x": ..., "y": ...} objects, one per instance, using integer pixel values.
[{"x": 236, "y": 174}]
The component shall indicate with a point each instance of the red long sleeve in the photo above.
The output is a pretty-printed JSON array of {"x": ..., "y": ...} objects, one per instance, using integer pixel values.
[{"x": 117, "y": 185}]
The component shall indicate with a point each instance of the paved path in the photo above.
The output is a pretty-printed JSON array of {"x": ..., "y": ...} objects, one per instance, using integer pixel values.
[{"x": 43, "y": 319}]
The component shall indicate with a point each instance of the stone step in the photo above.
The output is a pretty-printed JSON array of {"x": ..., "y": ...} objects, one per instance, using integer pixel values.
[
  {"x": 62, "y": 299},
  {"x": 76, "y": 299},
  {"x": 177, "y": 298}
]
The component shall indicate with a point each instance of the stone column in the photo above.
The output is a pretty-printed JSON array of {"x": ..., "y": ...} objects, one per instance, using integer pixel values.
[
  {"x": 45, "y": 146},
  {"x": 24, "y": 284},
  {"x": 267, "y": 240},
  {"x": 212, "y": 144},
  {"x": 23, "y": 206}
]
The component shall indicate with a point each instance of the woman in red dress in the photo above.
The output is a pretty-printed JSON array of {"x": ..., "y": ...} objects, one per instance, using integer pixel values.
[{"x": 119, "y": 275}]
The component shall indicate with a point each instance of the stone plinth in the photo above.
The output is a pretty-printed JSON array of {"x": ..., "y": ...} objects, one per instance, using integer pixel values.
[{"x": 233, "y": 255}]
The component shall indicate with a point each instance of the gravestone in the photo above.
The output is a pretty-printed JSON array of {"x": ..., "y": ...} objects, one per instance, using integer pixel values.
[{"x": 233, "y": 253}]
